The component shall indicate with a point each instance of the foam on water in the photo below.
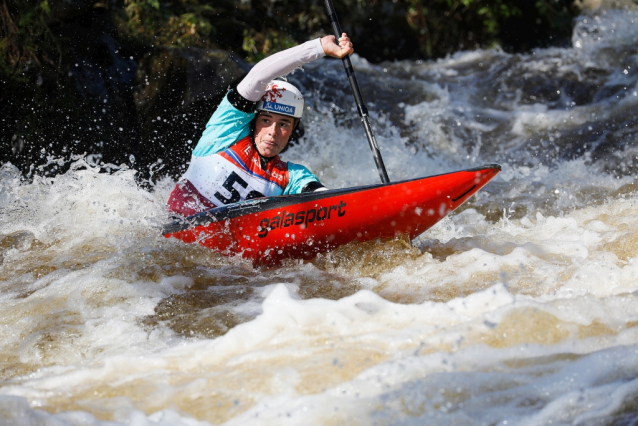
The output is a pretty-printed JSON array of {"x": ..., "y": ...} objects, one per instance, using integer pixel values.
[
  {"x": 521, "y": 308},
  {"x": 502, "y": 311}
]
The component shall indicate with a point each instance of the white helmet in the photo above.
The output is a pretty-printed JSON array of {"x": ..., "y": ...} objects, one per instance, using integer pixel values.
[{"x": 282, "y": 97}]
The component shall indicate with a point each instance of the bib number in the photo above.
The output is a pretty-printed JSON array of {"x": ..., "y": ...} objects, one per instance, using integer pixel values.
[{"x": 228, "y": 185}]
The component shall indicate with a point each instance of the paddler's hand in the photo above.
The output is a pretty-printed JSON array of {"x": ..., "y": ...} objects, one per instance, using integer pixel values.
[{"x": 341, "y": 50}]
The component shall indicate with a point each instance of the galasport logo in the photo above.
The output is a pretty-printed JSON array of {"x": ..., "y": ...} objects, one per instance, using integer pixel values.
[{"x": 301, "y": 218}]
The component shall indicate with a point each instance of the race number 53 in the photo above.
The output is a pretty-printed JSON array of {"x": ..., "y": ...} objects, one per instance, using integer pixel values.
[{"x": 235, "y": 196}]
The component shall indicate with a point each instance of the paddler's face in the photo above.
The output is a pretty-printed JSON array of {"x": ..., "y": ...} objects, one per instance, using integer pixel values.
[{"x": 272, "y": 132}]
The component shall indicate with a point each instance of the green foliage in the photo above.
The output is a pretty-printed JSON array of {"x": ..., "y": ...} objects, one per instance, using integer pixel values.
[
  {"x": 259, "y": 45},
  {"x": 253, "y": 30},
  {"x": 257, "y": 28},
  {"x": 26, "y": 42},
  {"x": 444, "y": 26},
  {"x": 180, "y": 23},
  {"x": 271, "y": 26}
]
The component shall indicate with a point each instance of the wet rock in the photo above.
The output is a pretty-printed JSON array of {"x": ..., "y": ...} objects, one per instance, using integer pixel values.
[
  {"x": 101, "y": 74},
  {"x": 81, "y": 102},
  {"x": 177, "y": 91}
]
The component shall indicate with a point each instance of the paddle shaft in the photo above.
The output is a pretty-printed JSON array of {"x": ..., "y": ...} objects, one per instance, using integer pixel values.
[{"x": 363, "y": 111}]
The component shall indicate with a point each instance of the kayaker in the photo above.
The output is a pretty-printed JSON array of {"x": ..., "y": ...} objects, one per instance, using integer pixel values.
[{"x": 237, "y": 157}]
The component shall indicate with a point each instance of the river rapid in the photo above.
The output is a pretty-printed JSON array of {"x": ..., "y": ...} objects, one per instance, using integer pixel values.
[{"x": 521, "y": 308}]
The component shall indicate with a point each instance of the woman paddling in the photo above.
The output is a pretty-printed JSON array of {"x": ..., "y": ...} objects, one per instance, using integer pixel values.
[{"x": 237, "y": 157}]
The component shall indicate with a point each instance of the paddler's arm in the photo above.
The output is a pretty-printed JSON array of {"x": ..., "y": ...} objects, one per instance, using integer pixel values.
[{"x": 254, "y": 85}]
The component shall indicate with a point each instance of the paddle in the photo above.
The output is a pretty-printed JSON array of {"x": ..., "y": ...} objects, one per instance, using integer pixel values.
[{"x": 363, "y": 111}]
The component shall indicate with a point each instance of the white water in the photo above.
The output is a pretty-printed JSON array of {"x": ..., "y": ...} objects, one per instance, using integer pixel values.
[{"x": 521, "y": 309}]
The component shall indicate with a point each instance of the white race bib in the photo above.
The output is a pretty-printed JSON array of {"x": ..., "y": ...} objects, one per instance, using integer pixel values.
[{"x": 223, "y": 182}]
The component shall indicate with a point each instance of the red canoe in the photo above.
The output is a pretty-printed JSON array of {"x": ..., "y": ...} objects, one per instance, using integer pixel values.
[{"x": 267, "y": 230}]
